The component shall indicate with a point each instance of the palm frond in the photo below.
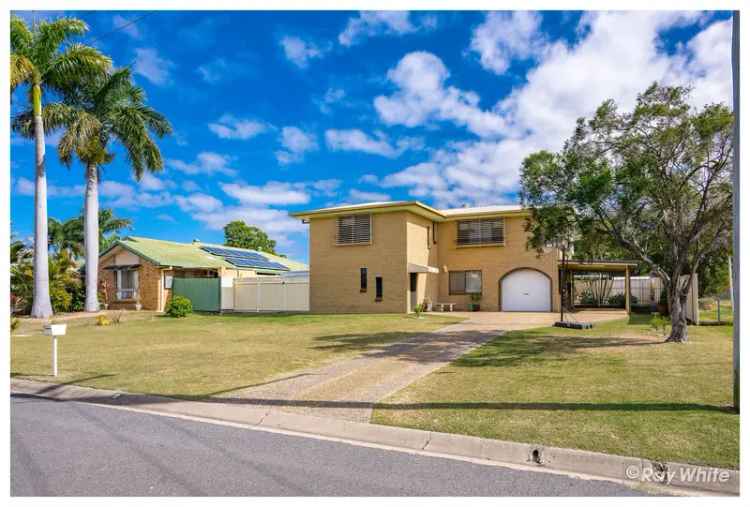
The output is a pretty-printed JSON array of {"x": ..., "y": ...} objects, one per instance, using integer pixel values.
[
  {"x": 21, "y": 37},
  {"x": 48, "y": 37},
  {"x": 21, "y": 70},
  {"x": 74, "y": 66}
]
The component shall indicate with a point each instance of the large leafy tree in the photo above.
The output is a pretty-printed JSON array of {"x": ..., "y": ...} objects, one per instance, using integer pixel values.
[
  {"x": 103, "y": 111},
  {"x": 655, "y": 181},
  {"x": 240, "y": 235},
  {"x": 43, "y": 59}
]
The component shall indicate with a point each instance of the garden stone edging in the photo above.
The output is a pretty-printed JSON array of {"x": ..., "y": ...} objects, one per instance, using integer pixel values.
[{"x": 607, "y": 466}]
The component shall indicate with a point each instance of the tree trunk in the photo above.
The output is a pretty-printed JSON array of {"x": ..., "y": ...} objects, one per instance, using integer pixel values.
[
  {"x": 41, "y": 306},
  {"x": 678, "y": 302},
  {"x": 91, "y": 237}
]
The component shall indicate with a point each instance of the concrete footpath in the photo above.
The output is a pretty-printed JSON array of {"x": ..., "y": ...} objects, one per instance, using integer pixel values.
[{"x": 675, "y": 477}]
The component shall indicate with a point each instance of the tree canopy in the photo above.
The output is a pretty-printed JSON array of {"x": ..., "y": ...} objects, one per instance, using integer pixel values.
[
  {"x": 654, "y": 183},
  {"x": 240, "y": 235}
]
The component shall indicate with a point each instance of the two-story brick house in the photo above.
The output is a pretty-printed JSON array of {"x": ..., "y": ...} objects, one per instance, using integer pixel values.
[{"x": 391, "y": 256}]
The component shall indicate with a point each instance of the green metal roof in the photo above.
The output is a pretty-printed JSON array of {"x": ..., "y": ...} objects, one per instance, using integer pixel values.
[{"x": 190, "y": 255}]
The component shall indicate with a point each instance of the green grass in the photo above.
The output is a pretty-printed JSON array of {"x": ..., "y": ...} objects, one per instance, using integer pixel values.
[
  {"x": 615, "y": 388},
  {"x": 203, "y": 355}
]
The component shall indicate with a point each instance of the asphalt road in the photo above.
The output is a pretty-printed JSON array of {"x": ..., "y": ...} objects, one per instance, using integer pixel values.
[{"x": 70, "y": 448}]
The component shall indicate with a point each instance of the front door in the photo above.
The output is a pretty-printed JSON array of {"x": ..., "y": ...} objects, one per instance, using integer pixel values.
[{"x": 412, "y": 291}]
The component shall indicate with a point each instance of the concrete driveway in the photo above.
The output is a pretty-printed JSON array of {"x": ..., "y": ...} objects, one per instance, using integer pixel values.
[{"x": 349, "y": 389}]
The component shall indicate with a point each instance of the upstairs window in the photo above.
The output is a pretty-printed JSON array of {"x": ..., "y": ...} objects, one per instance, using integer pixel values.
[
  {"x": 353, "y": 230},
  {"x": 484, "y": 231}
]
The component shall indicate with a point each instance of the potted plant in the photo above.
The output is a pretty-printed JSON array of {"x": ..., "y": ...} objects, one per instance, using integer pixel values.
[{"x": 475, "y": 298}]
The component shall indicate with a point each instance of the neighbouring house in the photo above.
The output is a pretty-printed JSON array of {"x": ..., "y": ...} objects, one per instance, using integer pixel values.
[
  {"x": 392, "y": 256},
  {"x": 138, "y": 272}
]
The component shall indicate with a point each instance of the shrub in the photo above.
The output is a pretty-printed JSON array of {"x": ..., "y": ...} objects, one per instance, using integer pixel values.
[
  {"x": 103, "y": 320},
  {"x": 619, "y": 300},
  {"x": 61, "y": 298},
  {"x": 14, "y": 323},
  {"x": 178, "y": 306},
  {"x": 659, "y": 324},
  {"x": 418, "y": 310}
]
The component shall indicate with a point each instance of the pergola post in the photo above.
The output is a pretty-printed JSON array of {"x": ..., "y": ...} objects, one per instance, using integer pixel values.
[{"x": 627, "y": 289}]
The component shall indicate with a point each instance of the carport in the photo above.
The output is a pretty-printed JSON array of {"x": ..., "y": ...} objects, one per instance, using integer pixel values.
[{"x": 589, "y": 284}]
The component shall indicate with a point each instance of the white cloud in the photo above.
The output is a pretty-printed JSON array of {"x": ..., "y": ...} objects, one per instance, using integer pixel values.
[
  {"x": 505, "y": 36},
  {"x": 300, "y": 52},
  {"x": 326, "y": 187},
  {"x": 190, "y": 186},
  {"x": 122, "y": 195},
  {"x": 213, "y": 71},
  {"x": 126, "y": 26},
  {"x": 295, "y": 142},
  {"x": 277, "y": 223},
  {"x": 375, "y": 23},
  {"x": 369, "y": 178},
  {"x": 207, "y": 162},
  {"x": 358, "y": 196},
  {"x": 150, "y": 65},
  {"x": 422, "y": 97},
  {"x": 164, "y": 217},
  {"x": 627, "y": 54},
  {"x": 230, "y": 127},
  {"x": 356, "y": 140},
  {"x": 332, "y": 96},
  {"x": 198, "y": 202},
  {"x": 25, "y": 187},
  {"x": 151, "y": 183},
  {"x": 272, "y": 193}
]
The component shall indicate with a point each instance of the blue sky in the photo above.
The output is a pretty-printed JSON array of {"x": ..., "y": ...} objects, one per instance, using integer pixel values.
[{"x": 280, "y": 111}]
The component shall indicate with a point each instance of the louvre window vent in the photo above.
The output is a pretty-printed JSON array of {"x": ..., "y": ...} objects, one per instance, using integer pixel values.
[
  {"x": 353, "y": 229},
  {"x": 485, "y": 231}
]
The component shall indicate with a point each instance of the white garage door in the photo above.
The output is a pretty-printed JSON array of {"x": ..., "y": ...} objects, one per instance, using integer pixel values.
[{"x": 526, "y": 290}]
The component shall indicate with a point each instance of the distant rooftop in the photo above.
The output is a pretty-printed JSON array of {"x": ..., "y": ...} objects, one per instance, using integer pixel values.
[{"x": 190, "y": 255}]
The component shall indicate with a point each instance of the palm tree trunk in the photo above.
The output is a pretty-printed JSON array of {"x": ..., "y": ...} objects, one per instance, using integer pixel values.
[
  {"x": 41, "y": 306},
  {"x": 91, "y": 237}
]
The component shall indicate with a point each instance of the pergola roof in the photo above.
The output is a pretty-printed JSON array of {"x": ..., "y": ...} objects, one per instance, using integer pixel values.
[{"x": 599, "y": 265}]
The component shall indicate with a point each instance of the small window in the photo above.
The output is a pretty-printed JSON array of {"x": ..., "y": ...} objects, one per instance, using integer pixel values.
[
  {"x": 485, "y": 231},
  {"x": 465, "y": 282},
  {"x": 378, "y": 288},
  {"x": 353, "y": 230},
  {"x": 362, "y": 279}
]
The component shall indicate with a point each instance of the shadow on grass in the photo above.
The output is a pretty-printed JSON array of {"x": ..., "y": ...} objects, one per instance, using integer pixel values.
[
  {"x": 56, "y": 385},
  {"x": 137, "y": 399}
]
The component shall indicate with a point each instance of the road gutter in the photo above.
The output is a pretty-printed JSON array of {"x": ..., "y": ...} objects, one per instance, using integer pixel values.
[{"x": 655, "y": 477}]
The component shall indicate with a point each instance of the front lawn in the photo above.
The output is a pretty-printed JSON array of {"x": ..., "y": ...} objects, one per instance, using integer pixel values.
[
  {"x": 615, "y": 388},
  {"x": 204, "y": 355}
]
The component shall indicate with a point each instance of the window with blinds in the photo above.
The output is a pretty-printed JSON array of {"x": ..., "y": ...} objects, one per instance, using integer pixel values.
[
  {"x": 485, "y": 231},
  {"x": 353, "y": 229},
  {"x": 464, "y": 282}
]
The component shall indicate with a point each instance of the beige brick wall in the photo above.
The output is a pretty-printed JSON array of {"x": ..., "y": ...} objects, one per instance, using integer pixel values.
[
  {"x": 493, "y": 261},
  {"x": 334, "y": 269},
  {"x": 423, "y": 251},
  {"x": 150, "y": 281}
]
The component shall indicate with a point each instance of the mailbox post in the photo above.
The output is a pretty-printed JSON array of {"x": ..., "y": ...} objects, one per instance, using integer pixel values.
[{"x": 54, "y": 330}]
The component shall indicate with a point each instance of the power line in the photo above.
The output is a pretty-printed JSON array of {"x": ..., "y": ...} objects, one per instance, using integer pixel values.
[{"x": 119, "y": 28}]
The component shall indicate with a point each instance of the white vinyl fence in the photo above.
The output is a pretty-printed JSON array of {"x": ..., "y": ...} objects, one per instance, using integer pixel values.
[{"x": 269, "y": 294}]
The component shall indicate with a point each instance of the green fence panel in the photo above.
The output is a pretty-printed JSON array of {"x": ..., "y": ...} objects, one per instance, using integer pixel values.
[{"x": 204, "y": 293}]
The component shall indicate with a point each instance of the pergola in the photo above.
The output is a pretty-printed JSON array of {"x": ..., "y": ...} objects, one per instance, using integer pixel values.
[{"x": 623, "y": 267}]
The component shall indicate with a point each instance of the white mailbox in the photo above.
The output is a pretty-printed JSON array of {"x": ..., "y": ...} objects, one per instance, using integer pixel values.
[{"x": 55, "y": 330}]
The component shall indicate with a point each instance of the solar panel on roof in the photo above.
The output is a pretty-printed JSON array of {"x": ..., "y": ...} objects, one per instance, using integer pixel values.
[{"x": 243, "y": 259}]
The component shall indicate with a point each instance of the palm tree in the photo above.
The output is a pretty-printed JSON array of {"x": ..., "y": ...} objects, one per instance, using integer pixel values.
[
  {"x": 110, "y": 108},
  {"x": 37, "y": 60},
  {"x": 109, "y": 227},
  {"x": 67, "y": 235}
]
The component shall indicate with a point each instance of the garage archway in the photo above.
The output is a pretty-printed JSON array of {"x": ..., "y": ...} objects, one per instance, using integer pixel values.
[{"x": 525, "y": 290}]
